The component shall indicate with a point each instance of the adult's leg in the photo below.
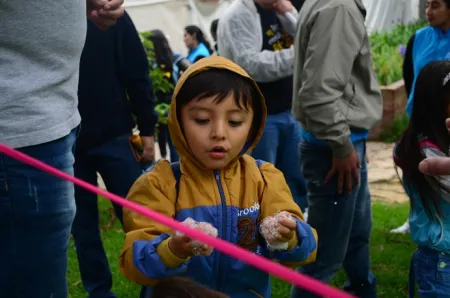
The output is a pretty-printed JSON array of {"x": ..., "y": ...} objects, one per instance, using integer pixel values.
[
  {"x": 92, "y": 260},
  {"x": 357, "y": 259},
  {"x": 288, "y": 160},
  {"x": 118, "y": 168},
  {"x": 36, "y": 211},
  {"x": 267, "y": 148},
  {"x": 333, "y": 216}
]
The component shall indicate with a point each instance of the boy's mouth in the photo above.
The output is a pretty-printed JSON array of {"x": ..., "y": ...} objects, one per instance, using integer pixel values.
[{"x": 217, "y": 152}]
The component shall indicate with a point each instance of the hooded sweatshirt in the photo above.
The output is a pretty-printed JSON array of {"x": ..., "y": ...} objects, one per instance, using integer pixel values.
[{"x": 234, "y": 200}]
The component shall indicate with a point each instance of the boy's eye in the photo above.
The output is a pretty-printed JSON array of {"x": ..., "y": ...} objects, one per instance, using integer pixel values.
[
  {"x": 235, "y": 123},
  {"x": 202, "y": 121}
]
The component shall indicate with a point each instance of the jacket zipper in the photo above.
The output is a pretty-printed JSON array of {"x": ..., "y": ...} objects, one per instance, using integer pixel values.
[{"x": 224, "y": 227}]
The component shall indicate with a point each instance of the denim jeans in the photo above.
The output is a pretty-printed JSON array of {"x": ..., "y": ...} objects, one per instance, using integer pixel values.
[
  {"x": 279, "y": 145},
  {"x": 431, "y": 273},
  {"x": 119, "y": 170},
  {"x": 36, "y": 213},
  {"x": 343, "y": 223}
]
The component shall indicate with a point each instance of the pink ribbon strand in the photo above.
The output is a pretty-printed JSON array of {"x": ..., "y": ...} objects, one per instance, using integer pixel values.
[{"x": 289, "y": 275}]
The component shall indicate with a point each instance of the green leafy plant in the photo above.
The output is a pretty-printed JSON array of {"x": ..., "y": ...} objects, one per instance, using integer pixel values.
[{"x": 388, "y": 48}]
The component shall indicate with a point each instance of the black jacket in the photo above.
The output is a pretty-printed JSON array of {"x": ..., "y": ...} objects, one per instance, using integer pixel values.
[{"x": 114, "y": 66}]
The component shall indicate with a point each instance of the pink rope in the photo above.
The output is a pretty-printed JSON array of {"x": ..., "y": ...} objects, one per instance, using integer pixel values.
[{"x": 259, "y": 262}]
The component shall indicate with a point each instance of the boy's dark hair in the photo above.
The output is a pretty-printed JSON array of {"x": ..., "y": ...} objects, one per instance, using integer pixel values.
[
  {"x": 430, "y": 110},
  {"x": 222, "y": 83},
  {"x": 179, "y": 287}
]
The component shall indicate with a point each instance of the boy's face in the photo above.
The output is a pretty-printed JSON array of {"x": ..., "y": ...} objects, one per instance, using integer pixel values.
[{"x": 215, "y": 132}]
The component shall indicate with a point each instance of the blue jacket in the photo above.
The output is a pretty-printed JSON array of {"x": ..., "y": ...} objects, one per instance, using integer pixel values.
[
  {"x": 201, "y": 51},
  {"x": 430, "y": 44}
]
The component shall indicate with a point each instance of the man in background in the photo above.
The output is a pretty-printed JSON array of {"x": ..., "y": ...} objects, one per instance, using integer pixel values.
[
  {"x": 114, "y": 85},
  {"x": 40, "y": 47},
  {"x": 337, "y": 100}
]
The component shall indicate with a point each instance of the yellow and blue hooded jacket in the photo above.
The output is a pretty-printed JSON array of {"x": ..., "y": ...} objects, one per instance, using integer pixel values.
[{"x": 235, "y": 200}]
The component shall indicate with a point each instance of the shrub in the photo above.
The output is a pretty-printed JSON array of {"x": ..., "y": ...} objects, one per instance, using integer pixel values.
[{"x": 388, "y": 48}]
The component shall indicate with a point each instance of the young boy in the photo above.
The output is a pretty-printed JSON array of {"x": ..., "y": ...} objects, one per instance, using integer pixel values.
[{"x": 217, "y": 114}]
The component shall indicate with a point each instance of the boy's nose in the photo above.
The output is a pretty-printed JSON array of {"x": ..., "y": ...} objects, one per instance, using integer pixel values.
[{"x": 218, "y": 131}]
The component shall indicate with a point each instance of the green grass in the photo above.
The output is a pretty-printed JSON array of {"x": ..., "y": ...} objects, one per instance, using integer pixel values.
[{"x": 390, "y": 256}]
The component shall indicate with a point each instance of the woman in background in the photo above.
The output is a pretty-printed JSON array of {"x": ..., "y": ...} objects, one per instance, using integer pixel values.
[{"x": 197, "y": 44}]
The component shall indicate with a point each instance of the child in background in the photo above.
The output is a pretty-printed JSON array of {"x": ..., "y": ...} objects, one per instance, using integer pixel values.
[
  {"x": 179, "y": 287},
  {"x": 217, "y": 114},
  {"x": 427, "y": 136}
]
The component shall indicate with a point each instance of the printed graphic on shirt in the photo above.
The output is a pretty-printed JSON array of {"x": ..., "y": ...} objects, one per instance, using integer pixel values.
[
  {"x": 278, "y": 38},
  {"x": 247, "y": 227}
]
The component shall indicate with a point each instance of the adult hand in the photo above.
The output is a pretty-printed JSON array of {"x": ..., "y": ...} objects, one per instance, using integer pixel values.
[
  {"x": 347, "y": 170},
  {"x": 104, "y": 13},
  {"x": 282, "y": 6},
  {"x": 148, "y": 144},
  {"x": 436, "y": 166}
]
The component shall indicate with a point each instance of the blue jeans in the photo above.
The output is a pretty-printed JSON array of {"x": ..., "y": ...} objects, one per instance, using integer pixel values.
[
  {"x": 279, "y": 145},
  {"x": 431, "y": 272},
  {"x": 36, "y": 213},
  {"x": 119, "y": 170},
  {"x": 343, "y": 223}
]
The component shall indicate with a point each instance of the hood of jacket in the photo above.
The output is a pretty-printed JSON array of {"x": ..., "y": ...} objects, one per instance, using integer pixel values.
[{"x": 176, "y": 133}]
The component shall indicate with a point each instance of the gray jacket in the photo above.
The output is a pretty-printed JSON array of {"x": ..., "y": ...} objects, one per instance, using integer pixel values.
[
  {"x": 335, "y": 86},
  {"x": 240, "y": 39}
]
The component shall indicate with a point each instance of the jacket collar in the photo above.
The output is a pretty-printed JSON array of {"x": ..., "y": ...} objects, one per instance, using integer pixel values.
[{"x": 361, "y": 7}]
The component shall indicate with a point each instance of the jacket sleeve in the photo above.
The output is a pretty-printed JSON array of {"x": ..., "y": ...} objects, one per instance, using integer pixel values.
[
  {"x": 238, "y": 34},
  {"x": 408, "y": 66},
  {"x": 134, "y": 70},
  {"x": 146, "y": 256},
  {"x": 335, "y": 39},
  {"x": 289, "y": 23},
  {"x": 277, "y": 197}
]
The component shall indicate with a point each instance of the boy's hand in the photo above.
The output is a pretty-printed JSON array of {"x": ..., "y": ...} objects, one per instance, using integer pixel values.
[
  {"x": 104, "y": 13},
  {"x": 181, "y": 246},
  {"x": 286, "y": 229}
]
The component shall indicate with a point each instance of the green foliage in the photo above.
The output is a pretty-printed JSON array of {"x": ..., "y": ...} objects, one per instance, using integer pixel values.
[
  {"x": 398, "y": 127},
  {"x": 157, "y": 75},
  {"x": 386, "y": 48}
]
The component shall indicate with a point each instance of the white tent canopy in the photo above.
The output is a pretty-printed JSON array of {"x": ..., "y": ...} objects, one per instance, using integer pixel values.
[{"x": 171, "y": 16}]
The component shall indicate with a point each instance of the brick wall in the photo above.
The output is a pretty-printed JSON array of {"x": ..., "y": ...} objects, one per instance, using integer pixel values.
[{"x": 394, "y": 103}]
